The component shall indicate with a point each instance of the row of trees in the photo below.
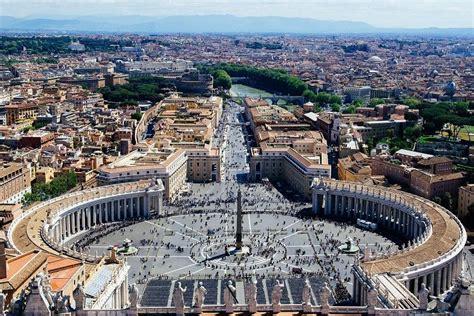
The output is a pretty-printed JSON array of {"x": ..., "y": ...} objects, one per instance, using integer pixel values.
[
  {"x": 322, "y": 98},
  {"x": 59, "y": 185},
  {"x": 436, "y": 116},
  {"x": 138, "y": 89},
  {"x": 260, "y": 45},
  {"x": 274, "y": 80},
  {"x": 55, "y": 45}
]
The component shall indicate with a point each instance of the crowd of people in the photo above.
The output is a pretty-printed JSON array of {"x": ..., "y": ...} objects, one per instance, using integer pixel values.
[{"x": 207, "y": 236}]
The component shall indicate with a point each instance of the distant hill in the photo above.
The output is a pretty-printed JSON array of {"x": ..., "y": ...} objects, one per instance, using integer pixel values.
[{"x": 211, "y": 24}]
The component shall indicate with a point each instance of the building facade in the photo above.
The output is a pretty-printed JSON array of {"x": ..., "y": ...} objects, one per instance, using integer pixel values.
[
  {"x": 15, "y": 181},
  {"x": 465, "y": 199}
]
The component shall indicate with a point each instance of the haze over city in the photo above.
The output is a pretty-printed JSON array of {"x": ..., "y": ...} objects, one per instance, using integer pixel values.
[
  {"x": 238, "y": 158},
  {"x": 379, "y": 13}
]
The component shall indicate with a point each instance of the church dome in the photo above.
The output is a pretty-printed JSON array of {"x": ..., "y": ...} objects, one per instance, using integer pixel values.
[{"x": 375, "y": 59}]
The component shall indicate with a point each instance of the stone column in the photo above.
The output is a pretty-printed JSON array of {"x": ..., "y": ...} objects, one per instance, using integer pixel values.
[
  {"x": 113, "y": 205},
  {"x": 64, "y": 227},
  {"x": 405, "y": 224},
  {"x": 60, "y": 228},
  {"x": 75, "y": 222},
  {"x": 393, "y": 217},
  {"x": 136, "y": 207},
  {"x": 99, "y": 212},
  {"x": 397, "y": 219},
  {"x": 103, "y": 211},
  {"x": 443, "y": 278},
  {"x": 83, "y": 219},
  {"x": 438, "y": 286},
  {"x": 68, "y": 226},
  {"x": 344, "y": 205},
  {"x": 376, "y": 212},
  {"x": 449, "y": 274},
  {"x": 401, "y": 222},
  {"x": 415, "y": 290},
  {"x": 91, "y": 215},
  {"x": 55, "y": 233},
  {"x": 71, "y": 224},
  {"x": 139, "y": 208},
  {"x": 431, "y": 285},
  {"x": 122, "y": 209},
  {"x": 350, "y": 208},
  {"x": 328, "y": 204}
]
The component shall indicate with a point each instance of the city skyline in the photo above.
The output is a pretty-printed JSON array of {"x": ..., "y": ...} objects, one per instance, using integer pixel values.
[{"x": 422, "y": 14}]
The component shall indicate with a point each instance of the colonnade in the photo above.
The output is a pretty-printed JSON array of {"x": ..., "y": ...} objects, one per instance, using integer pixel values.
[
  {"x": 405, "y": 215},
  {"x": 85, "y": 217},
  {"x": 438, "y": 280},
  {"x": 91, "y": 213},
  {"x": 399, "y": 218}
]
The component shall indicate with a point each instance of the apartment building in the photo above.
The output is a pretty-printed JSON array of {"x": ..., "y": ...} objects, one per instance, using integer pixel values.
[
  {"x": 465, "y": 199},
  {"x": 428, "y": 177},
  {"x": 15, "y": 181},
  {"x": 21, "y": 112},
  {"x": 355, "y": 168}
]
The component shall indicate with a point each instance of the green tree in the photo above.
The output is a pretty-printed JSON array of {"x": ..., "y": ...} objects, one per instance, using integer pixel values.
[
  {"x": 413, "y": 132},
  {"x": 412, "y": 103},
  {"x": 410, "y": 116},
  {"x": 437, "y": 200},
  {"x": 447, "y": 201},
  {"x": 335, "y": 99},
  {"x": 136, "y": 116},
  {"x": 349, "y": 110},
  {"x": 335, "y": 107},
  {"x": 375, "y": 101},
  {"x": 138, "y": 89},
  {"x": 370, "y": 144},
  {"x": 309, "y": 95},
  {"x": 323, "y": 98},
  {"x": 358, "y": 103},
  {"x": 59, "y": 185},
  {"x": 222, "y": 79},
  {"x": 461, "y": 108}
]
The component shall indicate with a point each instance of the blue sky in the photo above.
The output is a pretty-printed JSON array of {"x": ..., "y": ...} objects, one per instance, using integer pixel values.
[{"x": 384, "y": 13}]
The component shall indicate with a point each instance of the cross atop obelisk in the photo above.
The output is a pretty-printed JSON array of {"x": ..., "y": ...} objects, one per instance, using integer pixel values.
[{"x": 238, "y": 230}]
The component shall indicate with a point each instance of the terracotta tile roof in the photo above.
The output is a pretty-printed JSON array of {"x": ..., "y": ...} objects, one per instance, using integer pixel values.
[
  {"x": 433, "y": 161},
  {"x": 22, "y": 268},
  {"x": 61, "y": 271}
]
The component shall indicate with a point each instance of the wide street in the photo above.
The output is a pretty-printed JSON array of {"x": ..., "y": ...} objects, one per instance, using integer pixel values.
[{"x": 231, "y": 139}]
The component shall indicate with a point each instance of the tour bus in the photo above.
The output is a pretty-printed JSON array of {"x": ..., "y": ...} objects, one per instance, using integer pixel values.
[{"x": 366, "y": 224}]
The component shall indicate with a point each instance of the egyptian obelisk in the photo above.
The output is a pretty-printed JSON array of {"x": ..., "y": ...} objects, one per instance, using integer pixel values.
[{"x": 238, "y": 230}]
